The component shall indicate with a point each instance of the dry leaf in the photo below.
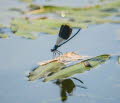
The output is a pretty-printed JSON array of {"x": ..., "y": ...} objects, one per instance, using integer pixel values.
[{"x": 65, "y": 58}]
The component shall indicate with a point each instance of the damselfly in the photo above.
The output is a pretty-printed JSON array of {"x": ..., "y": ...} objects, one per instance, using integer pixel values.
[{"x": 63, "y": 37}]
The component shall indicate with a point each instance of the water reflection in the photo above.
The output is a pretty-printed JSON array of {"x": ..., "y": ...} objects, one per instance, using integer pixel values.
[{"x": 67, "y": 88}]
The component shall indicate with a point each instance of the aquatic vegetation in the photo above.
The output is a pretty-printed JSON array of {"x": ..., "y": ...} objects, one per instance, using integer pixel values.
[
  {"x": 58, "y": 70},
  {"x": 51, "y": 66},
  {"x": 45, "y": 70},
  {"x": 28, "y": 1},
  {"x": 3, "y": 32},
  {"x": 31, "y": 28},
  {"x": 78, "y": 68},
  {"x": 66, "y": 58},
  {"x": 4, "y": 35},
  {"x": 34, "y": 7},
  {"x": 17, "y": 10},
  {"x": 96, "y": 10}
]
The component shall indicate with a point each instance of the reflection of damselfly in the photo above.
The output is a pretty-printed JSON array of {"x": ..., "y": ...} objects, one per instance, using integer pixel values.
[{"x": 63, "y": 37}]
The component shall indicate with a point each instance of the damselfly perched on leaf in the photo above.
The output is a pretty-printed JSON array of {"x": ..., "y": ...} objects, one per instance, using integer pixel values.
[{"x": 63, "y": 37}]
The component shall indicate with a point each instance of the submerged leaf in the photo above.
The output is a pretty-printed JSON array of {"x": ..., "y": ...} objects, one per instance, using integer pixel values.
[{"x": 79, "y": 67}]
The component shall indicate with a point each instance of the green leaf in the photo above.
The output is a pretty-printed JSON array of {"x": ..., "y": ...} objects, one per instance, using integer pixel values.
[
  {"x": 4, "y": 35},
  {"x": 31, "y": 29},
  {"x": 45, "y": 70},
  {"x": 78, "y": 68}
]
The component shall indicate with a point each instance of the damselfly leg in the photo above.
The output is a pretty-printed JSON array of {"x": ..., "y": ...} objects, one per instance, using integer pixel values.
[
  {"x": 60, "y": 53},
  {"x": 57, "y": 53}
]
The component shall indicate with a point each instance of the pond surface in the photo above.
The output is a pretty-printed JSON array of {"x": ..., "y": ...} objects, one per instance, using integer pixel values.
[{"x": 18, "y": 56}]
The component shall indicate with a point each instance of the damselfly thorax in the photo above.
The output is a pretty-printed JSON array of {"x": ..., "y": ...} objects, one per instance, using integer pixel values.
[{"x": 63, "y": 37}]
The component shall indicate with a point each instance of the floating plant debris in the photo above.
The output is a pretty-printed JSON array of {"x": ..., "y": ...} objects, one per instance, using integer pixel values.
[
  {"x": 59, "y": 70},
  {"x": 78, "y": 68}
]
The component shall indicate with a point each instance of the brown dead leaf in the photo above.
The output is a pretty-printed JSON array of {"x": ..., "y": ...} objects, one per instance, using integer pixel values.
[{"x": 65, "y": 58}]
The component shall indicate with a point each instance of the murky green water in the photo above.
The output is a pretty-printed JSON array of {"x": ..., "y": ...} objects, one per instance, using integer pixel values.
[{"x": 18, "y": 56}]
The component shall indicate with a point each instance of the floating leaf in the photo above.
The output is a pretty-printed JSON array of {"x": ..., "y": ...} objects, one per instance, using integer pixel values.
[
  {"x": 49, "y": 67},
  {"x": 3, "y": 31},
  {"x": 31, "y": 29},
  {"x": 4, "y": 36},
  {"x": 34, "y": 7},
  {"x": 43, "y": 22},
  {"x": 78, "y": 68},
  {"x": 45, "y": 70}
]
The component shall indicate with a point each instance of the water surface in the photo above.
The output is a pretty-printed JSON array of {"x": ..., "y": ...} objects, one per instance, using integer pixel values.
[{"x": 18, "y": 56}]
